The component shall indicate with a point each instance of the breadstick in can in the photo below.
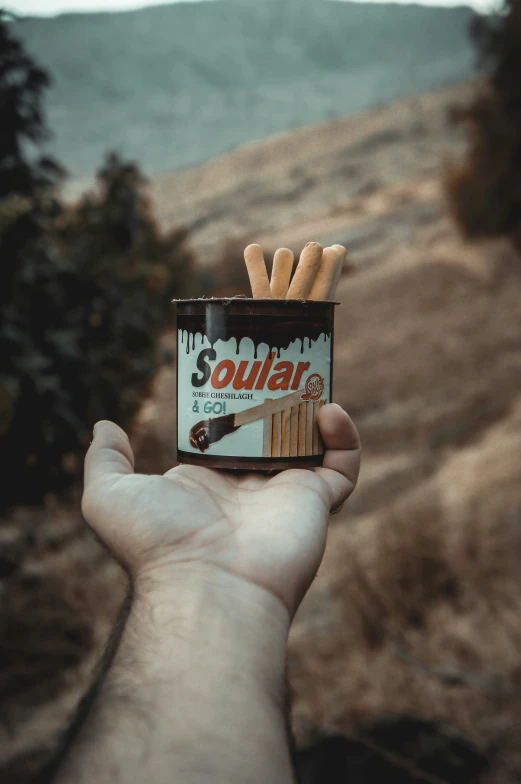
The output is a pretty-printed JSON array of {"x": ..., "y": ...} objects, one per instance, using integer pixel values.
[
  {"x": 323, "y": 282},
  {"x": 307, "y": 269},
  {"x": 256, "y": 266},
  {"x": 281, "y": 273},
  {"x": 342, "y": 252}
]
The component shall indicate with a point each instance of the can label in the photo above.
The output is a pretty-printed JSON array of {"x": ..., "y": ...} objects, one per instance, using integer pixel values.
[{"x": 252, "y": 401}]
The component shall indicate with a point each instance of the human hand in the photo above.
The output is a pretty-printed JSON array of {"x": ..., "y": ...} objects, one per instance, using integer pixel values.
[{"x": 269, "y": 531}]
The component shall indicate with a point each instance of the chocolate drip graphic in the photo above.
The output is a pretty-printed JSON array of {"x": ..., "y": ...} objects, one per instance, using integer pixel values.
[{"x": 263, "y": 322}]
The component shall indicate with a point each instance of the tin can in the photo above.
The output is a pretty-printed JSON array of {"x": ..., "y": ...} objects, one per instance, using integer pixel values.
[{"x": 252, "y": 375}]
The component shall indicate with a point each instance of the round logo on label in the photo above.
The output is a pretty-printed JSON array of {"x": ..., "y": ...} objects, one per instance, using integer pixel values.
[{"x": 314, "y": 387}]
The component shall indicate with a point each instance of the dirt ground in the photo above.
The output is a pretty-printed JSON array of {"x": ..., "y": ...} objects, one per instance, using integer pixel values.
[{"x": 417, "y": 606}]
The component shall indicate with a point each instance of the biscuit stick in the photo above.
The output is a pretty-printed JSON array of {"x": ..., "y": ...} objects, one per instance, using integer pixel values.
[
  {"x": 268, "y": 428},
  {"x": 276, "y": 438},
  {"x": 286, "y": 432},
  {"x": 316, "y": 409},
  {"x": 308, "y": 265},
  {"x": 309, "y": 427},
  {"x": 293, "y": 432},
  {"x": 302, "y": 429},
  {"x": 338, "y": 271},
  {"x": 281, "y": 273},
  {"x": 323, "y": 282},
  {"x": 256, "y": 266}
]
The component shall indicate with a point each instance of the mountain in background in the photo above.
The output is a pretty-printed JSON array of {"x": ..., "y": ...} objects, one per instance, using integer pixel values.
[{"x": 171, "y": 86}]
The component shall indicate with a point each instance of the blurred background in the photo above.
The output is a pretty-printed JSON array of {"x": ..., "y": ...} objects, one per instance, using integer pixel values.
[{"x": 141, "y": 148}]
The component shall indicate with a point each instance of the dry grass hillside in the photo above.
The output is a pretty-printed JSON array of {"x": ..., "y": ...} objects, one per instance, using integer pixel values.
[{"x": 417, "y": 606}]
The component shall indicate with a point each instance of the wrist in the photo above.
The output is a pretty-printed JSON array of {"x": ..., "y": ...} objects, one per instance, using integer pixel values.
[{"x": 213, "y": 624}]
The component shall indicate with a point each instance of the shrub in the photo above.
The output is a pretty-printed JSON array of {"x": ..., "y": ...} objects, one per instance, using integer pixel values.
[
  {"x": 22, "y": 84},
  {"x": 485, "y": 190}
]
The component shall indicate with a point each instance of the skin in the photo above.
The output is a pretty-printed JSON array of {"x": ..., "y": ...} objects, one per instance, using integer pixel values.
[{"x": 193, "y": 688}]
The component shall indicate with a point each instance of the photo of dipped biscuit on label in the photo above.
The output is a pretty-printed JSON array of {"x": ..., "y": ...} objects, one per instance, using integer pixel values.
[
  {"x": 254, "y": 373},
  {"x": 210, "y": 431}
]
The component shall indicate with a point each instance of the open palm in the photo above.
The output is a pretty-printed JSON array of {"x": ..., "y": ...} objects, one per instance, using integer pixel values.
[{"x": 269, "y": 531}]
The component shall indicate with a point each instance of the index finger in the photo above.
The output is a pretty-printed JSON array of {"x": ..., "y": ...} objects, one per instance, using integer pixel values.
[{"x": 341, "y": 464}]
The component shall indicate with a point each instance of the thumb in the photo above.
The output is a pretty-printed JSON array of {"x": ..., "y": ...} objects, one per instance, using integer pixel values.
[{"x": 110, "y": 455}]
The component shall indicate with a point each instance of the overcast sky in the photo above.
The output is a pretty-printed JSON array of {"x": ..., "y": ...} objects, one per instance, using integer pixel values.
[{"x": 50, "y": 7}]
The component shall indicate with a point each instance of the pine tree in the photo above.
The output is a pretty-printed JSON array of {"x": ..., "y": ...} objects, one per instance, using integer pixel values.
[
  {"x": 85, "y": 294},
  {"x": 23, "y": 128}
]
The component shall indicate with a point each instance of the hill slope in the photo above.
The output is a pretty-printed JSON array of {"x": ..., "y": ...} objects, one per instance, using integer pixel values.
[
  {"x": 174, "y": 85},
  {"x": 345, "y": 180}
]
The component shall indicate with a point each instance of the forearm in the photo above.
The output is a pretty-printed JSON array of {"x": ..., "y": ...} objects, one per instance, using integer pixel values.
[{"x": 196, "y": 692}]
